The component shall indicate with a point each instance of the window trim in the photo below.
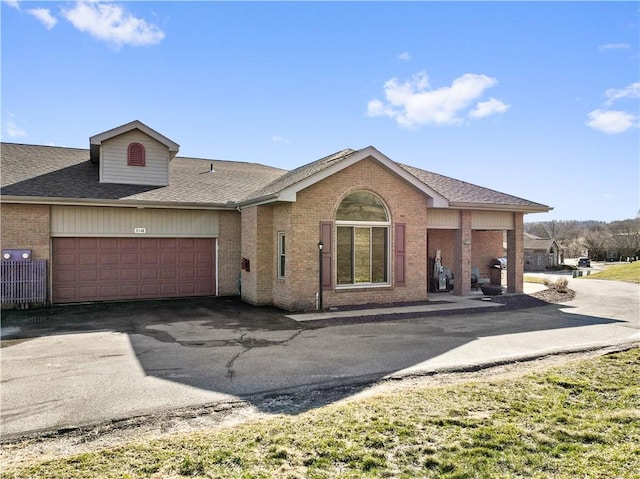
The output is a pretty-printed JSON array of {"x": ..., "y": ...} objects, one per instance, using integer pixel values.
[
  {"x": 370, "y": 225},
  {"x": 387, "y": 267},
  {"x": 282, "y": 255},
  {"x": 143, "y": 153}
]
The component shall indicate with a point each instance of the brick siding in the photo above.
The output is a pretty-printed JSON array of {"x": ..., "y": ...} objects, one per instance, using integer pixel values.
[
  {"x": 229, "y": 253},
  {"x": 26, "y": 226}
]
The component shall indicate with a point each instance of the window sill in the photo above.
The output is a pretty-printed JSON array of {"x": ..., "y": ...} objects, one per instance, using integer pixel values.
[{"x": 364, "y": 287}]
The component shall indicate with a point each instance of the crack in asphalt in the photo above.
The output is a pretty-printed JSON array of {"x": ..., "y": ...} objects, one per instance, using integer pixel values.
[{"x": 249, "y": 344}]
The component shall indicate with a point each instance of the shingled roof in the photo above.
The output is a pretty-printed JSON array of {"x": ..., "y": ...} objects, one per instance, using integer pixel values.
[
  {"x": 460, "y": 193},
  {"x": 54, "y": 172},
  {"x": 66, "y": 173}
]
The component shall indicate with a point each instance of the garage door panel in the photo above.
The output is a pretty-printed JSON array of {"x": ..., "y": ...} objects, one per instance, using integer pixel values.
[
  {"x": 129, "y": 258},
  {"x": 66, "y": 276},
  {"x": 95, "y": 269},
  {"x": 169, "y": 273},
  {"x": 187, "y": 288},
  {"x": 66, "y": 259},
  {"x": 149, "y": 274},
  {"x": 168, "y": 289},
  {"x": 87, "y": 293},
  {"x": 109, "y": 275},
  {"x": 186, "y": 243},
  {"x": 149, "y": 258},
  {"x": 130, "y": 291},
  {"x": 203, "y": 273},
  {"x": 186, "y": 258},
  {"x": 168, "y": 258},
  {"x": 149, "y": 290},
  {"x": 108, "y": 258},
  {"x": 129, "y": 274},
  {"x": 87, "y": 259},
  {"x": 88, "y": 275},
  {"x": 87, "y": 244},
  {"x": 129, "y": 243},
  {"x": 168, "y": 244},
  {"x": 108, "y": 243},
  {"x": 66, "y": 294}
]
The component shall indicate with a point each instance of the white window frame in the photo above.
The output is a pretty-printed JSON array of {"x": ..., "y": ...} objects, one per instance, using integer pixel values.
[{"x": 370, "y": 225}]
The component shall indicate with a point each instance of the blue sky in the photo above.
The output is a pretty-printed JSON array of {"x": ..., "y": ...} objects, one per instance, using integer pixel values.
[{"x": 539, "y": 100}]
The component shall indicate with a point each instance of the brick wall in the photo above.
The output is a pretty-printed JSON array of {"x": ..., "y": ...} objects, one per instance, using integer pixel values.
[
  {"x": 485, "y": 247},
  {"x": 515, "y": 255},
  {"x": 229, "y": 252},
  {"x": 282, "y": 294},
  {"x": 26, "y": 226},
  {"x": 319, "y": 203},
  {"x": 258, "y": 247}
]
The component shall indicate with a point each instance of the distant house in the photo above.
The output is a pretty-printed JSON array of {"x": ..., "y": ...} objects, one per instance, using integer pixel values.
[
  {"x": 541, "y": 253},
  {"x": 129, "y": 219}
]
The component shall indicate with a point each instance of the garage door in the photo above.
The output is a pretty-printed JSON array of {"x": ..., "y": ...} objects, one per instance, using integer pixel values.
[{"x": 106, "y": 269}]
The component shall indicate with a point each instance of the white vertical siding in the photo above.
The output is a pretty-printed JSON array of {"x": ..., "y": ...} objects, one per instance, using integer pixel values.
[
  {"x": 443, "y": 219},
  {"x": 121, "y": 222},
  {"x": 492, "y": 220},
  {"x": 113, "y": 161}
]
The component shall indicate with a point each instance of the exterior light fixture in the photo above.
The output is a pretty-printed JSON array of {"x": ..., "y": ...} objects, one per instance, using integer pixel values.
[
  {"x": 25, "y": 255},
  {"x": 6, "y": 255}
]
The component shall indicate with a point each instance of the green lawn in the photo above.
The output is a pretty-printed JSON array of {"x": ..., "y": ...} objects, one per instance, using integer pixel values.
[
  {"x": 579, "y": 420},
  {"x": 622, "y": 272}
]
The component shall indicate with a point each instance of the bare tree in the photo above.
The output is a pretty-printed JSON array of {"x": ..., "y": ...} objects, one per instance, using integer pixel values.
[
  {"x": 625, "y": 237},
  {"x": 596, "y": 240}
]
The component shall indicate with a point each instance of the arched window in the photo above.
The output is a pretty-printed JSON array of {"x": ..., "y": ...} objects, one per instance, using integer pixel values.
[
  {"x": 135, "y": 155},
  {"x": 362, "y": 229}
]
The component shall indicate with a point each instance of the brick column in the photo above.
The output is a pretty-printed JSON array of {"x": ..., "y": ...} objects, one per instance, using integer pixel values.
[
  {"x": 515, "y": 255},
  {"x": 462, "y": 256}
]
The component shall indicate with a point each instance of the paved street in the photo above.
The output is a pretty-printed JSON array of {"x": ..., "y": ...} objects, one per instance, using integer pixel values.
[{"x": 81, "y": 365}]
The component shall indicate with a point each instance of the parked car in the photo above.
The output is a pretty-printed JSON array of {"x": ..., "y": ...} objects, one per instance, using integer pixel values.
[
  {"x": 502, "y": 262},
  {"x": 584, "y": 262}
]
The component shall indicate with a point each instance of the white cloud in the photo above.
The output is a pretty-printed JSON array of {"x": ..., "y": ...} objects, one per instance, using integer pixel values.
[
  {"x": 487, "y": 108},
  {"x": 280, "y": 140},
  {"x": 13, "y": 3},
  {"x": 13, "y": 129},
  {"x": 611, "y": 121},
  {"x": 112, "y": 23},
  {"x": 414, "y": 103},
  {"x": 615, "y": 121},
  {"x": 630, "y": 91},
  {"x": 404, "y": 56},
  {"x": 44, "y": 15},
  {"x": 614, "y": 46}
]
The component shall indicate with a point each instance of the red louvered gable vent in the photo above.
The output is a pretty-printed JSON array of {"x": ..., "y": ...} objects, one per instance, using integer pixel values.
[{"x": 135, "y": 155}]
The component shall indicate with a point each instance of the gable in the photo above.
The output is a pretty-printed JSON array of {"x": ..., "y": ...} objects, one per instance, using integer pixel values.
[
  {"x": 288, "y": 186},
  {"x": 115, "y": 167}
]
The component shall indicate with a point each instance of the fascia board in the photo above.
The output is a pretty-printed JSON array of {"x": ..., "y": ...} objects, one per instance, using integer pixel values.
[
  {"x": 35, "y": 200},
  {"x": 435, "y": 199},
  {"x": 136, "y": 124},
  {"x": 508, "y": 208}
]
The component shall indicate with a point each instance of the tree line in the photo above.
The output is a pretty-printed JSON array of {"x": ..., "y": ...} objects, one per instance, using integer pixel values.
[{"x": 601, "y": 241}]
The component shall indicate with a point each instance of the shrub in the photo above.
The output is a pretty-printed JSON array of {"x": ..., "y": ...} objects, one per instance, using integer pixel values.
[{"x": 561, "y": 285}]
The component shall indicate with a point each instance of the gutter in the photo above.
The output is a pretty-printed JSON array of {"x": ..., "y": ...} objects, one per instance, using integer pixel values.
[
  {"x": 497, "y": 207},
  {"x": 258, "y": 201},
  {"x": 119, "y": 203}
]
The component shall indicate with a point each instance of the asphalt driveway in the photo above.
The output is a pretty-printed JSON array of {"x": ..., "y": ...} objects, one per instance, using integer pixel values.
[{"x": 68, "y": 366}]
